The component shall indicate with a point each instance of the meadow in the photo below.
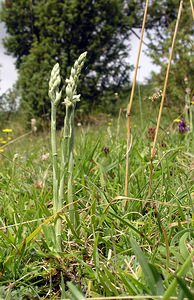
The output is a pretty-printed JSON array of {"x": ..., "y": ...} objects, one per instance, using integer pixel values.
[
  {"x": 135, "y": 247},
  {"x": 103, "y": 208}
]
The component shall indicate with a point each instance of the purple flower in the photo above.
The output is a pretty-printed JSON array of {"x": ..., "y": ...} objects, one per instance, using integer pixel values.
[
  {"x": 151, "y": 133},
  {"x": 182, "y": 126}
]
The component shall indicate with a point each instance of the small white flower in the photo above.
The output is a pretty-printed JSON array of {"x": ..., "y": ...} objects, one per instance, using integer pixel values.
[
  {"x": 69, "y": 92},
  {"x": 67, "y": 102},
  {"x": 76, "y": 98},
  {"x": 45, "y": 156}
]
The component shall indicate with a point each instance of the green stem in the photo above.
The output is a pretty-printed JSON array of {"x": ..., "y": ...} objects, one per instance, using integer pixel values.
[
  {"x": 55, "y": 97},
  {"x": 73, "y": 208},
  {"x": 182, "y": 271},
  {"x": 70, "y": 166},
  {"x": 191, "y": 118},
  {"x": 54, "y": 157},
  {"x": 67, "y": 144},
  {"x": 64, "y": 155},
  {"x": 55, "y": 176},
  {"x": 140, "y": 106},
  {"x": 63, "y": 163}
]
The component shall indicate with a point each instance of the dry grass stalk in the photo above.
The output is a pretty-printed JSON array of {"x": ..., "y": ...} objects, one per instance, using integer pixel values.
[
  {"x": 131, "y": 102},
  {"x": 153, "y": 150},
  {"x": 192, "y": 9}
]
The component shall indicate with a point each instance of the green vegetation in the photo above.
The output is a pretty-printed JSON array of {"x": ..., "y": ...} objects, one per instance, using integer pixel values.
[
  {"x": 59, "y": 31},
  {"x": 67, "y": 142},
  {"x": 68, "y": 228},
  {"x": 42, "y": 33},
  {"x": 181, "y": 74},
  {"x": 113, "y": 252}
]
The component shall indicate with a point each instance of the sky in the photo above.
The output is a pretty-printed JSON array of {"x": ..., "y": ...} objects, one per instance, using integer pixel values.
[{"x": 8, "y": 73}]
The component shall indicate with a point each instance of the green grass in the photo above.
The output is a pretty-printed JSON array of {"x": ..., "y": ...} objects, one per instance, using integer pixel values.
[{"x": 113, "y": 252}]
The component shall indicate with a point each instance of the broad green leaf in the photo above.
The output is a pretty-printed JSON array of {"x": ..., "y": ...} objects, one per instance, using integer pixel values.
[
  {"x": 158, "y": 279},
  {"x": 181, "y": 272},
  {"x": 77, "y": 295},
  {"x": 182, "y": 244},
  {"x": 184, "y": 288},
  {"x": 149, "y": 277}
]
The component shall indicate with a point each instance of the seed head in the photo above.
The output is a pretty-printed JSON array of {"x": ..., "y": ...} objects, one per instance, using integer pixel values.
[
  {"x": 54, "y": 83},
  {"x": 71, "y": 88}
]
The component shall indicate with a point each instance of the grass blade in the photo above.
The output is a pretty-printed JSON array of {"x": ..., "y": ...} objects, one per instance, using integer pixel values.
[
  {"x": 77, "y": 295},
  {"x": 182, "y": 271},
  {"x": 145, "y": 266},
  {"x": 185, "y": 289}
]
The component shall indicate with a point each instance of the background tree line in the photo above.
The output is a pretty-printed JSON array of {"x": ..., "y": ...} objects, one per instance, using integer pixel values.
[{"x": 43, "y": 32}]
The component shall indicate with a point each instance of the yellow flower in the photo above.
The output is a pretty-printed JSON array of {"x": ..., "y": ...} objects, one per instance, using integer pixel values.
[
  {"x": 1, "y": 150},
  {"x": 177, "y": 120},
  {"x": 192, "y": 102},
  {"x": 9, "y": 138},
  {"x": 7, "y": 130},
  {"x": 3, "y": 142}
]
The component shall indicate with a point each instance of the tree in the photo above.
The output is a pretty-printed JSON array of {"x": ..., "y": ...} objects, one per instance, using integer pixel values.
[
  {"x": 160, "y": 42},
  {"x": 42, "y": 33},
  {"x": 8, "y": 103}
]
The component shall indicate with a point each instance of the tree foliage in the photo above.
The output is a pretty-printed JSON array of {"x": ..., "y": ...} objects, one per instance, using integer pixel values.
[
  {"x": 182, "y": 70},
  {"x": 43, "y": 32}
]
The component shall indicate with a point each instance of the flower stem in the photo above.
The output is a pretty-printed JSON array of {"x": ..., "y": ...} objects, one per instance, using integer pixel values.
[
  {"x": 55, "y": 97},
  {"x": 67, "y": 142},
  {"x": 153, "y": 150},
  {"x": 130, "y": 106}
]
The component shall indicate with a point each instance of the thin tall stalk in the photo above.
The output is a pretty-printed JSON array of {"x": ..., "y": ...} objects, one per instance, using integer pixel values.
[
  {"x": 192, "y": 9},
  {"x": 73, "y": 208},
  {"x": 131, "y": 102},
  {"x": 140, "y": 104},
  {"x": 118, "y": 124},
  {"x": 67, "y": 142},
  {"x": 153, "y": 150},
  {"x": 55, "y": 97}
]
